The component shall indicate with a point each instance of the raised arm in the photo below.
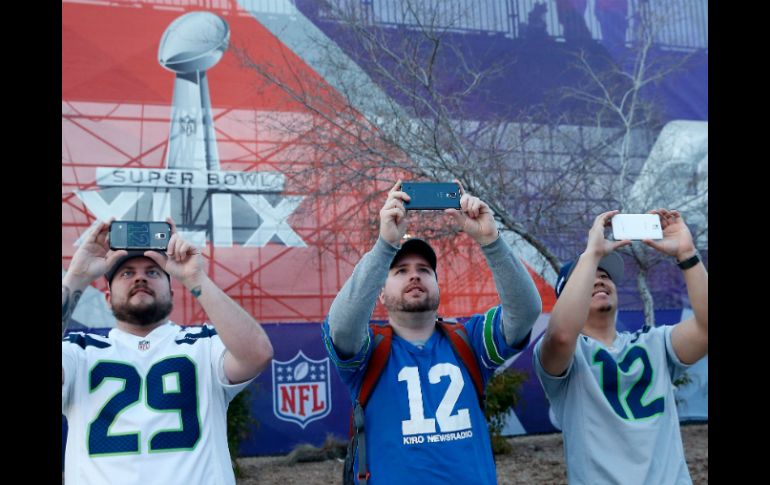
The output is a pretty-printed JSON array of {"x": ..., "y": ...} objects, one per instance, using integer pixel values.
[
  {"x": 248, "y": 347},
  {"x": 353, "y": 306},
  {"x": 90, "y": 261},
  {"x": 690, "y": 338},
  {"x": 570, "y": 312},
  {"x": 518, "y": 294}
]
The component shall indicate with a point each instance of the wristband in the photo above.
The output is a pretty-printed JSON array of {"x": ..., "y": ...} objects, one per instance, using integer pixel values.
[{"x": 689, "y": 262}]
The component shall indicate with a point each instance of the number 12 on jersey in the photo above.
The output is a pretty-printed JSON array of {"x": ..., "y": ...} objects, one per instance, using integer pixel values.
[{"x": 417, "y": 422}]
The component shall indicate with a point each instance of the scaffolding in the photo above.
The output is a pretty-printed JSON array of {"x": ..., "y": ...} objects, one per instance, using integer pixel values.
[{"x": 274, "y": 282}]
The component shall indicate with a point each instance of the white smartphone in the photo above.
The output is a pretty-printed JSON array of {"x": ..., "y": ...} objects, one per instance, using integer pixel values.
[{"x": 636, "y": 227}]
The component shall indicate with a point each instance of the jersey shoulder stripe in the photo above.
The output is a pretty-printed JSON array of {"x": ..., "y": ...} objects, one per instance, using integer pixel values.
[
  {"x": 356, "y": 361},
  {"x": 84, "y": 340},
  {"x": 639, "y": 333},
  {"x": 490, "y": 346},
  {"x": 186, "y": 336}
]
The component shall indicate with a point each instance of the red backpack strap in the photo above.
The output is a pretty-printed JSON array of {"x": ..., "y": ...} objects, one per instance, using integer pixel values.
[
  {"x": 461, "y": 344},
  {"x": 383, "y": 336}
]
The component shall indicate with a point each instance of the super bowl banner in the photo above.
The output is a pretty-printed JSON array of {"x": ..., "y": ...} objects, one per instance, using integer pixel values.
[{"x": 161, "y": 118}]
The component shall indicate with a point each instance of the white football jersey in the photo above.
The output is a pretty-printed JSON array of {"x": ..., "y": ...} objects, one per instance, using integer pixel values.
[{"x": 147, "y": 410}]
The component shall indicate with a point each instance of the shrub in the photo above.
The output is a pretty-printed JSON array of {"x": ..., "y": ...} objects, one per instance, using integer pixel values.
[
  {"x": 239, "y": 423},
  {"x": 503, "y": 392}
]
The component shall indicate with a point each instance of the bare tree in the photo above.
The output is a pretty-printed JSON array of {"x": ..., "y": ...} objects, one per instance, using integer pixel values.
[
  {"x": 407, "y": 105},
  {"x": 675, "y": 172},
  {"x": 402, "y": 102}
]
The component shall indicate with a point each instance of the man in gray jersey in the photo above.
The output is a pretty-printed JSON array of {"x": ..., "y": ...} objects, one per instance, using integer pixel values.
[
  {"x": 423, "y": 422},
  {"x": 612, "y": 391}
]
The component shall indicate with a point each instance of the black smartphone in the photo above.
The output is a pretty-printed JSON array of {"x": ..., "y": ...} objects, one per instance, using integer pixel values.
[
  {"x": 139, "y": 235},
  {"x": 432, "y": 195}
]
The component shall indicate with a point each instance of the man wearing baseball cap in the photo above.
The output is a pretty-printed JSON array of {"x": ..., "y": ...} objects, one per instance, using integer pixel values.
[
  {"x": 148, "y": 403},
  {"x": 611, "y": 391},
  {"x": 423, "y": 421}
]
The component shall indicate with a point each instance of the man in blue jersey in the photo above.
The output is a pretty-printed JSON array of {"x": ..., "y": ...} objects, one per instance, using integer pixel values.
[
  {"x": 423, "y": 421},
  {"x": 612, "y": 391},
  {"x": 148, "y": 403}
]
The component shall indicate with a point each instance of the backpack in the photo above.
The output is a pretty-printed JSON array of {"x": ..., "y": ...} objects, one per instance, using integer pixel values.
[{"x": 383, "y": 336}]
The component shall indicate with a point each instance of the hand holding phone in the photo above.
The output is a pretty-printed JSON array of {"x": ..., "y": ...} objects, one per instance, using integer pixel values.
[
  {"x": 636, "y": 227},
  {"x": 432, "y": 195},
  {"x": 139, "y": 235}
]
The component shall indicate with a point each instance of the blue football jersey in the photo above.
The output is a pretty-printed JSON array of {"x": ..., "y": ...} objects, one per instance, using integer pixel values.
[
  {"x": 423, "y": 422},
  {"x": 615, "y": 405}
]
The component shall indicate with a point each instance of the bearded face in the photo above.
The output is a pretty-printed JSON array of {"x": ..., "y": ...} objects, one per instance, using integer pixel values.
[
  {"x": 140, "y": 293},
  {"x": 411, "y": 286}
]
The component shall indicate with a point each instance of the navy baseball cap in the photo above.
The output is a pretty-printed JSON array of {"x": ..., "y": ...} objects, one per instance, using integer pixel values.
[
  {"x": 419, "y": 247},
  {"x": 612, "y": 264},
  {"x": 131, "y": 255}
]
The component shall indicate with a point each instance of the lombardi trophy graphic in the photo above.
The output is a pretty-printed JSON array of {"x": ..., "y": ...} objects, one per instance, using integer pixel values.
[
  {"x": 191, "y": 45},
  {"x": 209, "y": 205}
]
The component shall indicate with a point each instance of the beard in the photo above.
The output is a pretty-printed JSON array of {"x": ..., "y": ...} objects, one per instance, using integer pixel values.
[
  {"x": 606, "y": 308},
  {"x": 143, "y": 315},
  {"x": 399, "y": 303}
]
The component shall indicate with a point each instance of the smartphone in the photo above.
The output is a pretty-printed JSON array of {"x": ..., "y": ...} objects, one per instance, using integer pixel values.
[
  {"x": 432, "y": 195},
  {"x": 636, "y": 226},
  {"x": 139, "y": 235}
]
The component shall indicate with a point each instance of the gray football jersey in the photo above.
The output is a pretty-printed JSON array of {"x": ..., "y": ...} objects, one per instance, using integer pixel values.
[{"x": 617, "y": 412}]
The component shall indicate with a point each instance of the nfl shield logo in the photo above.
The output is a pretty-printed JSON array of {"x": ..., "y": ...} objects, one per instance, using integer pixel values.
[
  {"x": 301, "y": 389},
  {"x": 144, "y": 344}
]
